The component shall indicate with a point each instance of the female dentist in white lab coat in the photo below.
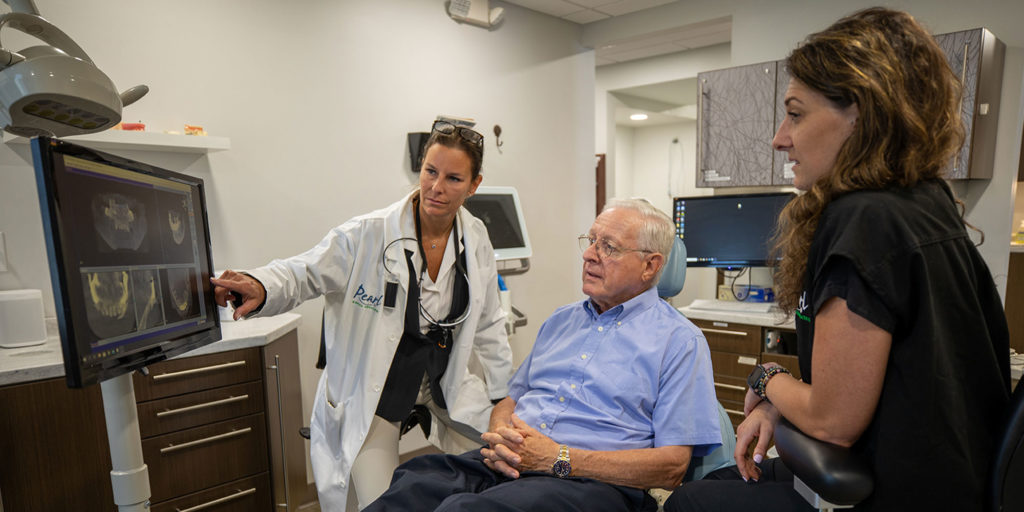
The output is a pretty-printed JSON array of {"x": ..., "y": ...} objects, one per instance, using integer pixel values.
[{"x": 410, "y": 295}]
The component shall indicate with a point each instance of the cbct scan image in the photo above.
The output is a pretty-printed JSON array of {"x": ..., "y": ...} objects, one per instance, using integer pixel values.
[
  {"x": 108, "y": 303},
  {"x": 120, "y": 221},
  {"x": 175, "y": 227},
  {"x": 148, "y": 299},
  {"x": 181, "y": 296}
]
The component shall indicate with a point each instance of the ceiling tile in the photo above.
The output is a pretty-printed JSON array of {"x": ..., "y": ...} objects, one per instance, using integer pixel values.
[
  {"x": 628, "y": 6},
  {"x": 557, "y": 8},
  {"x": 585, "y": 16},
  {"x": 596, "y": 3}
]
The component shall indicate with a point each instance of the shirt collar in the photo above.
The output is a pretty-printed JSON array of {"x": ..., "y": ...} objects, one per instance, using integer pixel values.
[{"x": 627, "y": 309}]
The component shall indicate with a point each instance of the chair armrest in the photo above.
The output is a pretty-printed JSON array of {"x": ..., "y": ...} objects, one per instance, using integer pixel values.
[{"x": 834, "y": 472}]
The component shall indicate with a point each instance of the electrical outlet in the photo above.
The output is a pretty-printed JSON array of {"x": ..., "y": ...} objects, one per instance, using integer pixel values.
[{"x": 3, "y": 253}]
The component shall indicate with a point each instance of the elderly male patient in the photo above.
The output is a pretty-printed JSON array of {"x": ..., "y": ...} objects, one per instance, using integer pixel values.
[{"x": 615, "y": 397}]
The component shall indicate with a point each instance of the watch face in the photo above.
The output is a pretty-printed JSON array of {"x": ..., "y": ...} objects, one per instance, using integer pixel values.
[
  {"x": 755, "y": 375},
  {"x": 561, "y": 468}
]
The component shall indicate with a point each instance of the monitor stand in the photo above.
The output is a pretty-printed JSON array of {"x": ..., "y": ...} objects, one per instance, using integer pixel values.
[{"x": 129, "y": 474}]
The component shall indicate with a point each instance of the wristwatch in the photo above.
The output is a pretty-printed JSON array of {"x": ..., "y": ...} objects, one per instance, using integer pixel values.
[
  {"x": 759, "y": 377},
  {"x": 561, "y": 468}
]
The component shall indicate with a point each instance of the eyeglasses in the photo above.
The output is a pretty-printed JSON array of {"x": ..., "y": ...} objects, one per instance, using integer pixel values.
[
  {"x": 469, "y": 135},
  {"x": 604, "y": 248}
]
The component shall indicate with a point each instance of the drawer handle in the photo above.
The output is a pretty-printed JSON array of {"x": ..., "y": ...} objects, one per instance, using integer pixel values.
[
  {"x": 180, "y": 410},
  {"x": 198, "y": 370},
  {"x": 218, "y": 501},
  {"x": 730, "y": 386},
  {"x": 734, "y": 411},
  {"x": 218, "y": 437},
  {"x": 723, "y": 331}
]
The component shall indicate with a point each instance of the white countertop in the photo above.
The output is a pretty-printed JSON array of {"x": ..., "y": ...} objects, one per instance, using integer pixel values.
[
  {"x": 46, "y": 361},
  {"x": 759, "y": 319}
]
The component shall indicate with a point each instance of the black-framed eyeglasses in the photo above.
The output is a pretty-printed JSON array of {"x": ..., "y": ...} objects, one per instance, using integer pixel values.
[
  {"x": 605, "y": 249},
  {"x": 467, "y": 134}
]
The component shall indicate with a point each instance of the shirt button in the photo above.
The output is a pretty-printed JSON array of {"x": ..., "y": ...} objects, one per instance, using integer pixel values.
[
  {"x": 561, "y": 399},
  {"x": 376, "y": 389},
  {"x": 543, "y": 425},
  {"x": 573, "y": 386},
  {"x": 394, "y": 338},
  {"x": 600, "y": 329},
  {"x": 618, "y": 323},
  {"x": 584, "y": 356}
]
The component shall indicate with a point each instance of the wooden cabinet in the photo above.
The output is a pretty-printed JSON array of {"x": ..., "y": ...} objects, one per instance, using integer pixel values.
[
  {"x": 976, "y": 56},
  {"x": 735, "y": 349},
  {"x": 740, "y": 108},
  {"x": 218, "y": 430}
]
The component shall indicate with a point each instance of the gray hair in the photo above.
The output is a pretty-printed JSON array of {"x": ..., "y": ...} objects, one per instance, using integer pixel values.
[{"x": 657, "y": 232}]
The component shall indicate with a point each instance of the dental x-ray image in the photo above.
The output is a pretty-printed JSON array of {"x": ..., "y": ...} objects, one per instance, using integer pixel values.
[
  {"x": 175, "y": 227},
  {"x": 108, "y": 305},
  {"x": 181, "y": 297},
  {"x": 120, "y": 221},
  {"x": 148, "y": 300}
]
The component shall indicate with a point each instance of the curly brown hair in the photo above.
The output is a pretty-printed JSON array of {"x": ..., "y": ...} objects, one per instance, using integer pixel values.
[{"x": 908, "y": 127}]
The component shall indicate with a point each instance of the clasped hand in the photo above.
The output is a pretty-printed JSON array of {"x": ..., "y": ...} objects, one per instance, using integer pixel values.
[{"x": 518, "y": 447}]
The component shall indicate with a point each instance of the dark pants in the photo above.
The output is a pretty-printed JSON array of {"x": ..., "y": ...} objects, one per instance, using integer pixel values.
[
  {"x": 464, "y": 483},
  {"x": 725, "y": 490}
]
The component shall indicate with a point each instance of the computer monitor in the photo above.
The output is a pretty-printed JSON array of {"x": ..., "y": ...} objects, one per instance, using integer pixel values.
[
  {"x": 500, "y": 210},
  {"x": 728, "y": 231},
  {"x": 129, "y": 254}
]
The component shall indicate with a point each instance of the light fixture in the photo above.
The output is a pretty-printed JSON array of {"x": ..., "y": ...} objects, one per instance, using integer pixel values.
[
  {"x": 56, "y": 89},
  {"x": 477, "y": 12},
  {"x": 638, "y": 117}
]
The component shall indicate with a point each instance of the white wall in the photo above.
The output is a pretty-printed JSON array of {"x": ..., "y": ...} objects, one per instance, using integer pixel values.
[
  {"x": 764, "y": 31},
  {"x": 317, "y": 97}
]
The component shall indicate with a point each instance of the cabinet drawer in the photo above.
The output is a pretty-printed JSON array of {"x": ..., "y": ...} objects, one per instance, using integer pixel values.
[
  {"x": 731, "y": 368},
  {"x": 187, "y": 374},
  {"x": 792, "y": 363},
  {"x": 203, "y": 457},
  {"x": 734, "y": 410},
  {"x": 175, "y": 413},
  {"x": 731, "y": 337},
  {"x": 245, "y": 495},
  {"x": 730, "y": 390}
]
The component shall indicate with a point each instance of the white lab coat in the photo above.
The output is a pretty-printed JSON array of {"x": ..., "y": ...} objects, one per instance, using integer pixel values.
[{"x": 362, "y": 335}]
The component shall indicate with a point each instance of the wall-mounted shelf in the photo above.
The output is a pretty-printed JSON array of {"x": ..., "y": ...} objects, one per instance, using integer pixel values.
[{"x": 141, "y": 141}]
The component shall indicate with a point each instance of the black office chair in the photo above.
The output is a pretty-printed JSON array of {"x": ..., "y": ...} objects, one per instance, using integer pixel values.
[{"x": 829, "y": 476}]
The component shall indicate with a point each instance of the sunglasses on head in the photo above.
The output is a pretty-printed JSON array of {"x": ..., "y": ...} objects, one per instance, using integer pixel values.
[{"x": 471, "y": 136}]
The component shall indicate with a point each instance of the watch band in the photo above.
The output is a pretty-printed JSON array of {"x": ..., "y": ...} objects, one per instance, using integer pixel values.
[
  {"x": 561, "y": 468},
  {"x": 761, "y": 375}
]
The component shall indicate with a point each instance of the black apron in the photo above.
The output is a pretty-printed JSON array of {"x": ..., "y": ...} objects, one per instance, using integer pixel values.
[{"x": 417, "y": 352}]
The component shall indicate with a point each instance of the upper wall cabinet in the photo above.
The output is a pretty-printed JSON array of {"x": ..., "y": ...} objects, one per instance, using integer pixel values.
[
  {"x": 736, "y": 121},
  {"x": 739, "y": 109},
  {"x": 976, "y": 56}
]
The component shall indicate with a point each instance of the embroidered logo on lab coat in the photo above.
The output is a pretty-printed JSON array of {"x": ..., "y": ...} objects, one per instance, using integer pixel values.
[{"x": 367, "y": 300}]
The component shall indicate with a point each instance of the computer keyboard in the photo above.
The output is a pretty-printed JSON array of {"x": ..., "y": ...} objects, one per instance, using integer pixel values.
[{"x": 733, "y": 306}]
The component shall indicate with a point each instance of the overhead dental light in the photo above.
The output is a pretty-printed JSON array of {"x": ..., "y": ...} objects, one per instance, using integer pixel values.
[{"x": 54, "y": 89}]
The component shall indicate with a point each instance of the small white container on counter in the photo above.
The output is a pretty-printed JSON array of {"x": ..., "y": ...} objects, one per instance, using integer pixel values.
[{"x": 21, "y": 318}]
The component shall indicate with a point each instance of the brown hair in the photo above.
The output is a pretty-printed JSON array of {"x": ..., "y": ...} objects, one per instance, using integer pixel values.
[
  {"x": 908, "y": 127},
  {"x": 455, "y": 141}
]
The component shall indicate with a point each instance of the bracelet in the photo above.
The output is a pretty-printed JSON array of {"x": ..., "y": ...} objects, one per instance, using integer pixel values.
[{"x": 760, "y": 387}]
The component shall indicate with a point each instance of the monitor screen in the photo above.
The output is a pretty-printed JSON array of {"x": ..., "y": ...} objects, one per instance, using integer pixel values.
[
  {"x": 129, "y": 255},
  {"x": 501, "y": 212},
  {"x": 728, "y": 231}
]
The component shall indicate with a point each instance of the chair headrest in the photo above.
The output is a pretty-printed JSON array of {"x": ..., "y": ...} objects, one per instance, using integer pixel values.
[{"x": 674, "y": 275}]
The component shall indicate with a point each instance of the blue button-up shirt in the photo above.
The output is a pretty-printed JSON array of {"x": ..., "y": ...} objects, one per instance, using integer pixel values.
[{"x": 636, "y": 376}]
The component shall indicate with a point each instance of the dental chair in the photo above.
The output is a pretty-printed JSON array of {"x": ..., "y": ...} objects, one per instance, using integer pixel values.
[
  {"x": 669, "y": 285},
  {"x": 830, "y": 477}
]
